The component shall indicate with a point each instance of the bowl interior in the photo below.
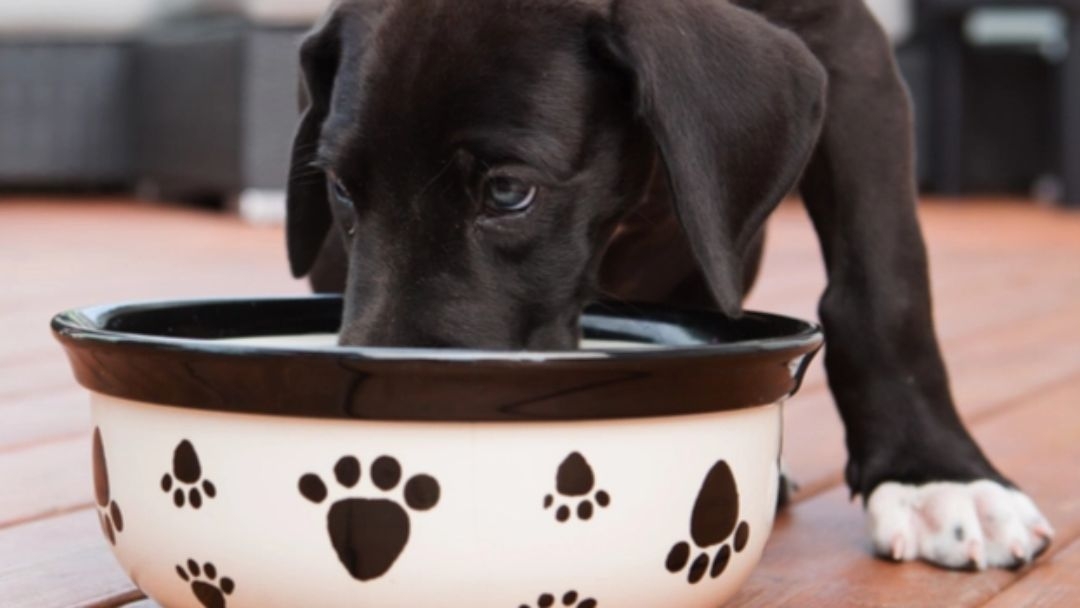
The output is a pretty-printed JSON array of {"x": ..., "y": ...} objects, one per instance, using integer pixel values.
[{"x": 615, "y": 322}]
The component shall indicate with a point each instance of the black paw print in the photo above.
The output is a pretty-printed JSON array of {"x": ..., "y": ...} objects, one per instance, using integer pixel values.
[
  {"x": 204, "y": 584},
  {"x": 575, "y": 479},
  {"x": 187, "y": 473},
  {"x": 109, "y": 515},
  {"x": 369, "y": 534},
  {"x": 715, "y": 517},
  {"x": 570, "y": 598}
]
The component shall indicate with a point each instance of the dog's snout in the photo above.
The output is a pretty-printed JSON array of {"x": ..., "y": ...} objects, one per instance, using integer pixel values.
[
  {"x": 388, "y": 323},
  {"x": 378, "y": 324},
  {"x": 385, "y": 336},
  {"x": 453, "y": 323}
]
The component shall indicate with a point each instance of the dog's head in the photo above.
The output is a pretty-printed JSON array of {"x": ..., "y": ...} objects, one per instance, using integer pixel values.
[{"x": 477, "y": 156}]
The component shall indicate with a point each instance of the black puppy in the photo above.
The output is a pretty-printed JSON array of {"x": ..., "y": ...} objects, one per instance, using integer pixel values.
[{"x": 471, "y": 173}]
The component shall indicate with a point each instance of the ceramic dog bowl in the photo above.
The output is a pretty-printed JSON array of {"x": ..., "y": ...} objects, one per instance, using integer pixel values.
[{"x": 240, "y": 459}]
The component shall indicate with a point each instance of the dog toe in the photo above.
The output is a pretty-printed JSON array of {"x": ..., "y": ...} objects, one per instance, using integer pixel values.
[{"x": 891, "y": 522}]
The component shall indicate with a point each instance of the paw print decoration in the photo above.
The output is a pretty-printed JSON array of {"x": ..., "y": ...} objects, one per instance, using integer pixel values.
[
  {"x": 185, "y": 481},
  {"x": 369, "y": 534},
  {"x": 570, "y": 598},
  {"x": 574, "y": 482},
  {"x": 715, "y": 517},
  {"x": 207, "y": 588},
  {"x": 109, "y": 514}
]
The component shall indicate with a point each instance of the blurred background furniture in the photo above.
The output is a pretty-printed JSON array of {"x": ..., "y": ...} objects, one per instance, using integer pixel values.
[
  {"x": 185, "y": 100},
  {"x": 72, "y": 128},
  {"x": 195, "y": 100},
  {"x": 1004, "y": 86},
  {"x": 218, "y": 105},
  {"x": 217, "y": 83},
  {"x": 65, "y": 71}
]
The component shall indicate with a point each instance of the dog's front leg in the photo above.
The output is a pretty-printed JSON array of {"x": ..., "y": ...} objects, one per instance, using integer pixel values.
[{"x": 929, "y": 490}]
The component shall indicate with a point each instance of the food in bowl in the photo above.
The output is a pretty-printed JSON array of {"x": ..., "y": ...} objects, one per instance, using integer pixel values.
[{"x": 242, "y": 459}]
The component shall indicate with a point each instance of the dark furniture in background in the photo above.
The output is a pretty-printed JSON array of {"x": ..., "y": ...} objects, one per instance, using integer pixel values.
[
  {"x": 65, "y": 113},
  {"x": 218, "y": 106},
  {"x": 1002, "y": 119},
  {"x": 200, "y": 107}
]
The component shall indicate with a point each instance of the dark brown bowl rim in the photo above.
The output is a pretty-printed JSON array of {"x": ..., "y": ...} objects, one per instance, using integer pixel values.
[{"x": 164, "y": 352}]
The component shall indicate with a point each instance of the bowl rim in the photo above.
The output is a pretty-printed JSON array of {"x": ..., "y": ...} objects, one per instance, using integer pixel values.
[
  {"x": 168, "y": 352},
  {"x": 91, "y": 325}
]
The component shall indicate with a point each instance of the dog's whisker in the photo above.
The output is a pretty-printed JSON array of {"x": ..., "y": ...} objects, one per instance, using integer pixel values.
[
  {"x": 302, "y": 172},
  {"x": 308, "y": 148}
]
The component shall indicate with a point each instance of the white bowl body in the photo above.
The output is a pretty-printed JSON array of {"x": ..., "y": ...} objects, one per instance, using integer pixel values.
[{"x": 491, "y": 539}]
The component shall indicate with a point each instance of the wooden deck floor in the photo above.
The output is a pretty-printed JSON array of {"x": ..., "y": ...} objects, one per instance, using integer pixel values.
[{"x": 1007, "y": 281}]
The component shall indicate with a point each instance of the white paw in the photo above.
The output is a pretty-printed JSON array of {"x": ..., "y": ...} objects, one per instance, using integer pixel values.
[{"x": 981, "y": 524}]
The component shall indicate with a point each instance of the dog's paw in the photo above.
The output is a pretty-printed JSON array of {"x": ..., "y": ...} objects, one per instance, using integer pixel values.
[{"x": 978, "y": 525}]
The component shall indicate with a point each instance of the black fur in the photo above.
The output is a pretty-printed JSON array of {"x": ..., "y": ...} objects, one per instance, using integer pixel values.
[{"x": 661, "y": 135}]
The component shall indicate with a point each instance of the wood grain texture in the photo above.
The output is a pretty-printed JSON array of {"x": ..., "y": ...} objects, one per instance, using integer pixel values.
[
  {"x": 43, "y": 417},
  {"x": 59, "y": 562},
  {"x": 51, "y": 478},
  {"x": 1007, "y": 302},
  {"x": 1054, "y": 584}
]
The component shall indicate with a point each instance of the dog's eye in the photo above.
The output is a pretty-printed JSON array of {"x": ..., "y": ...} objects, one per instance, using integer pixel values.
[
  {"x": 506, "y": 194},
  {"x": 339, "y": 190},
  {"x": 346, "y": 212}
]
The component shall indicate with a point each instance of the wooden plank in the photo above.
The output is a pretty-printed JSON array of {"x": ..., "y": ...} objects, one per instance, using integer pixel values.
[
  {"x": 819, "y": 556},
  {"x": 967, "y": 272},
  {"x": 972, "y": 238},
  {"x": 59, "y": 562},
  {"x": 30, "y": 420},
  {"x": 957, "y": 325},
  {"x": 34, "y": 376},
  {"x": 1053, "y": 584},
  {"x": 988, "y": 224},
  {"x": 140, "y": 603},
  {"x": 51, "y": 478},
  {"x": 133, "y": 599},
  {"x": 166, "y": 253},
  {"x": 994, "y": 370}
]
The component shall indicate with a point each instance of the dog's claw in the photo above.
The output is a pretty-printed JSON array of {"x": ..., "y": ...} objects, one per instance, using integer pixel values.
[
  {"x": 1019, "y": 552},
  {"x": 898, "y": 548},
  {"x": 976, "y": 555},
  {"x": 1043, "y": 531}
]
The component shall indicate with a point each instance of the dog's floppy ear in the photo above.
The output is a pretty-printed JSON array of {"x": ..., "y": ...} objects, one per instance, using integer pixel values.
[
  {"x": 735, "y": 105},
  {"x": 330, "y": 64}
]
